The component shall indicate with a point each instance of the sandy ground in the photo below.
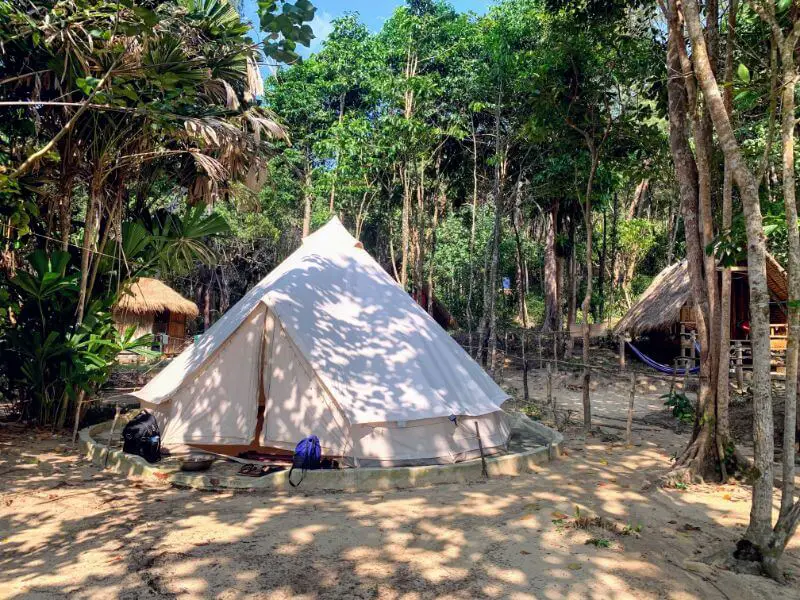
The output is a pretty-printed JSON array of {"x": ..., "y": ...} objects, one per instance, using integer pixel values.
[{"x": 68, "y": 529}]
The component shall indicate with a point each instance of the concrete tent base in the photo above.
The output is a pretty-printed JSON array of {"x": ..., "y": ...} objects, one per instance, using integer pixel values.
[{"x": 540, "y": 444}]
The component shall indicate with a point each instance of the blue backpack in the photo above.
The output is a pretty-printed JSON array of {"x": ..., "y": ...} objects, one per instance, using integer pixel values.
[{"x": 307, "y": 457}]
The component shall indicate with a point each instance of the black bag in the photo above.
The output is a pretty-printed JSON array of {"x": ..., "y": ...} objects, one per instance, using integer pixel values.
[{"x": 142, "y": 437}]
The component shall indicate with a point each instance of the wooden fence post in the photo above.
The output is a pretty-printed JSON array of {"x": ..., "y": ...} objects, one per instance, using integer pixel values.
[
  {"x": 629, "y": 426},
  {"x": 587, "y": 403},
  {"x": 541, "y": 351},
  {"x": 686, "y": 362},
  {"x": 525, "y": 393},
  {"x": 550, "y": 398},
  {"x": 674, "y": 376},
  {"x": 505, "y": 356},
  {"x": 739, "y": 365}
]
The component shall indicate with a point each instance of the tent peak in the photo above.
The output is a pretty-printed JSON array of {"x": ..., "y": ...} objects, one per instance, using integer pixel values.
[{"x": 332, "y": 235}]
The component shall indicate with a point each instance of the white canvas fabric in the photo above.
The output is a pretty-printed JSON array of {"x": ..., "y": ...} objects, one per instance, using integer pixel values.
[
  {"x": 219, "y": 403},
  {"x": 344, "y": 353}
]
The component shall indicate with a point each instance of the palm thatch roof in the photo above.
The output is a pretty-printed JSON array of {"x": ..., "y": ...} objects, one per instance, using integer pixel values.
[
  {"x": 659, "y": 307},
  {"x": 147, "y": 295}
]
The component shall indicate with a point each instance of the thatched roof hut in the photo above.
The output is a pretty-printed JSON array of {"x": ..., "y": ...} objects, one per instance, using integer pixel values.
[
  {"x": 659, "y": 307},
  {"x": 147, "y": 295},
  {"x": 155, "y": 308}
]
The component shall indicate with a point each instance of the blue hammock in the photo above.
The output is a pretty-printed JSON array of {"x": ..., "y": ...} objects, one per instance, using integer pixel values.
[{"x": 660, "y": 367}]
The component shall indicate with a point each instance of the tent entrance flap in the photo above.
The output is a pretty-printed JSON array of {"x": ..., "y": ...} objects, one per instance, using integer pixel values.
[
  {"x": 296, "y": 404},
  {"x": 220, "y": 404}
]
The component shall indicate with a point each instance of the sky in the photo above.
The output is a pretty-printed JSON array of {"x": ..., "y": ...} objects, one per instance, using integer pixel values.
[{"x": 373, "y": 13}]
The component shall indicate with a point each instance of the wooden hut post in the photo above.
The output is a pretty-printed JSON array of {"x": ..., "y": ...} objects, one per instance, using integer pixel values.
[{"x": 622, "y": 353}]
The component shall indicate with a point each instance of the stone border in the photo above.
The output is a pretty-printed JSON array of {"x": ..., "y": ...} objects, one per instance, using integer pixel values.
[{"x": 345, "y": 480}]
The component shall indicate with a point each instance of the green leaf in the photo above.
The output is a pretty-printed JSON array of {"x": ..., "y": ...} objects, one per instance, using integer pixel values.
[
  {"x": 745, "y": 100},
  {"x": 782, "y": 5},
  {"x": 87, "y": 84},
  {"x": 743, "y": 73}
]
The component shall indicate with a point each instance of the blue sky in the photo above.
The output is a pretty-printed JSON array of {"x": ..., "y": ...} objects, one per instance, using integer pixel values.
[{"x": 373, "y": 13}]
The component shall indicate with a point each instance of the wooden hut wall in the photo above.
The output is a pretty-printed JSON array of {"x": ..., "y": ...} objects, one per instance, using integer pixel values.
[{"x": 142, "y": 322}]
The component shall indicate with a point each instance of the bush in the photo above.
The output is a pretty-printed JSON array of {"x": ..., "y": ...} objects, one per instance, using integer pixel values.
[
  {"x": 682, "y": 407},
  {"x": 48, "y": 358}
]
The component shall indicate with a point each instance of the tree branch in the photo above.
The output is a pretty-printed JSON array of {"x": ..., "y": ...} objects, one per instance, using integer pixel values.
[{"x": 31, "y": 160}]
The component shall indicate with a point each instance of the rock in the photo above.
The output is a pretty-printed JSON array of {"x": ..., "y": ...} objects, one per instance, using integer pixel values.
[{"x": 698, "y": 567}]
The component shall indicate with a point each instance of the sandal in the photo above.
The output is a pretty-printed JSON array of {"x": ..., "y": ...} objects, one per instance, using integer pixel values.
[{"x": 250, "y": 470}]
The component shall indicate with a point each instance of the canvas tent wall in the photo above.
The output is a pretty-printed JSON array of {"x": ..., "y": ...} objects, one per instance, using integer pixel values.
[{"x": 328, "y": 343}]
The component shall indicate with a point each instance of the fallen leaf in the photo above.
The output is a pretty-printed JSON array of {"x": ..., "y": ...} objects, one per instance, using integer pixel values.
[
  {"x": 524, "y": 552},
  {"x": 559, "y": 515},
  {"x": 574, "y": 566}
]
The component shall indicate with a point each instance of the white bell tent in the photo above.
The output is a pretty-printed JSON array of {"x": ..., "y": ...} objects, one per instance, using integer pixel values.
[{"x": 329, "y": 344}]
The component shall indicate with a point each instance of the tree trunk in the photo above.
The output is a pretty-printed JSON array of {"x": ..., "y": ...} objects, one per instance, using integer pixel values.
[
  {"x": 93, "y": 208},
  {"x": 496, "y": 231},
  {"x": 418, "y": 233},
  {"x": 772, "y": 108},
  {"x": 601, "y": 273},
  {"x": 522, "y": 293},
  {"x": 572, "y": 291},
  {"x": 638, "y": 196},
  {"x": 790, "y": 205},
  {"x": 552, "y": 308},
  {"x": 338, "y": 154},
  {"x": 789, "y": 515},
  {"x": 761, "y": 512},
  {"x": 696, "y": 457},
  {"x": 587, "y": 298},
  {"x": 405, "y": 226},
  {"x": 207, "y": 303},
  {"x": 493, "y": 269},
  {"x": 471, "y": 274},
  {"x": 65, "y": 196},
  {"x": 440, "y": 197},
  {"x": 307, "y": 199},
  {"x": 614, "y": 221},
  {"x": 723, "y": 377}
]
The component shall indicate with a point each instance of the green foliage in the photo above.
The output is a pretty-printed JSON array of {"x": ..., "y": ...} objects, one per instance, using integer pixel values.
[
  {"x": 174, "y": 125},
  {"x": 631, "y": 529},
  {"x": 598, "y": 542},
  {"x": 47, "y": 357},
  {"x": 682, "y": 407},
  {"x": 285, "y": 28},
  {"x": 532, "y": 411}
]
